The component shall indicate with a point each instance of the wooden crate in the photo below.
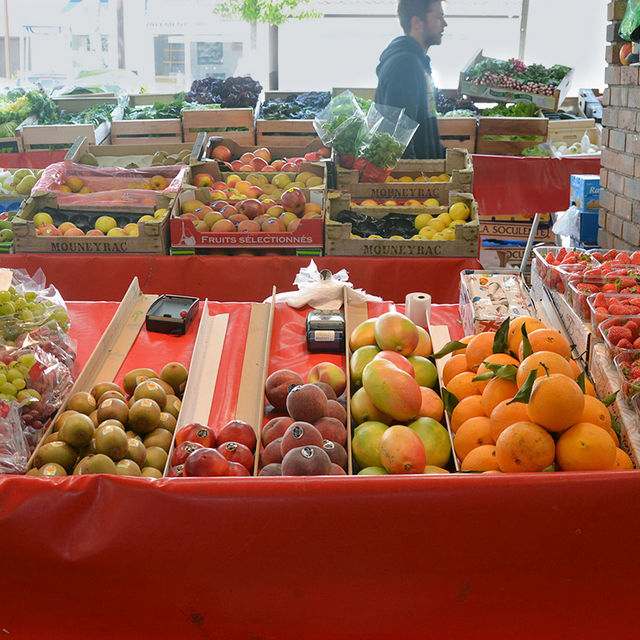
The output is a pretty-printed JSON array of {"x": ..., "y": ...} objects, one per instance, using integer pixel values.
[
  {"x": 338, "y": 240},
  {"x": 500, "y": 94},
  {"x": 161, "y": 129},
  {"x": 110, "y": 152},
  {"x": 279, "y": 152},
  {"x": 285, "y": 133},
  {"x": 506, "y": 127},
  {"x": 35, "y": 136},
  {"x": 218, "y": 121},
  {"x": 458, "y": 133},
  {"x": 366, "y": 93},
  {"x": 153, "y": 238}
]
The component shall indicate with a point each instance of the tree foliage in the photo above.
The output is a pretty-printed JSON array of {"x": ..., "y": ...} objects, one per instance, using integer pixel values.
[{"x": 275, "y": 12}]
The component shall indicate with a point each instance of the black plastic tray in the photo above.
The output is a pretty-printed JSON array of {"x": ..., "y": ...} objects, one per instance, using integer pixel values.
[{"x": 171, "y": 314}]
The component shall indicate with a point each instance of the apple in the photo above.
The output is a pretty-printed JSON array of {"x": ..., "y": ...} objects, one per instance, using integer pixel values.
[
  {"x": 253, "y": 192},
  {"x": 269, "y": 168},
  {"x": 389, "y": 203},
  {"x": 278, "y": 164},
  {"x": 237, "y": 218},
  {"x": 183, "y": 451},
  {"x": 274, "y": 211},
  {"x": 249, "y": 226},
  {"x": 259, "y": 164},
  {"x": 95, "y": 232},
  {"x": 206, "y": 462},
  {"x": 262, "y": 218},
  {"x": 286, "y": 218},
  {"x": 74, "y": 231},
  {"x": 312, "y": 157},
  {"x": 196, "y": 432},
  {"x": 219, "y": 186},
  {"x": 201, "y": 226},
  {"x": 233, "y": 180},
  {"x": 202, "y": 180},
  {"x": 189, "y": 216},
  {"x": 221, "y": 153},
  {"x": 236, "y": 164},
  {"x": 65, "y": 226},
  {"x": 47, "y": 230},
  {"x": 289, "y": 166},
  {"x": 272, "y": 225},
  {"x": 188, "y": 206},
  {"x": 293, "y": 225},
  {"x": 202, "y": 211},
  {"x": 247, "y": 158},
  {"x": 223, "y": 226},
  {"x": 213, "y": 217},
  {"x": 217, "y": 194},
  {"x": 228, "y": 210},
  {"x": 293, "y": 200},
  {"x": 238, "y": 431},
  {"x": 251, "y": 208},
  {"x": 263, "y": 153},
  {"x": 42, "y": 218},
  {"x": 219, "y": 205}
]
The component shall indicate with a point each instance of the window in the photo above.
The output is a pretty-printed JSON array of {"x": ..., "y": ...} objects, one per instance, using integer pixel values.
[{"x": 169, "y": 55}]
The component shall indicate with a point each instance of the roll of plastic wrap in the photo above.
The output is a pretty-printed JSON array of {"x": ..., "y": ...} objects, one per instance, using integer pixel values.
[{"x": 418, "y": 308}]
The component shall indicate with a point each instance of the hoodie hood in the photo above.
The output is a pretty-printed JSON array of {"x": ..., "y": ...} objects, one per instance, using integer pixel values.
[{"x": 404, "y": 45}]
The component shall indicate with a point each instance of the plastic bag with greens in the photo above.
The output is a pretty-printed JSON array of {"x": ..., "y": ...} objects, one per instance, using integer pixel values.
[
  {"x": 341, "y": 125},
  {"x": 389, "y": 132},
  {"x": 630, "y": 25}
]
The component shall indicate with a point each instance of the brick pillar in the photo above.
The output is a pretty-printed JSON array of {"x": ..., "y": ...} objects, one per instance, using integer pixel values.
[{"x": 620, "y": 174}]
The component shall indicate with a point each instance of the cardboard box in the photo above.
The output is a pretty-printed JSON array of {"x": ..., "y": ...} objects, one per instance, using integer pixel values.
[
  {"x": 35, "y": 136},
  {"x": 237, "y": 124},
  {"x": 153, "y": 237},
  {"x": 186, "y": 239},
  {"x": 585, "y": 192},
  {"x": 589, "y": 224},
  {"x": 339, "y": 240},
  {"x": 499, "y": 94},
  {"x": 511, "y": 230}
]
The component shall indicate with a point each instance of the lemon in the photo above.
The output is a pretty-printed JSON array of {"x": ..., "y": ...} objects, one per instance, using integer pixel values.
[
  {"x": 434, "y": 179},
  {"x": 431, "y": 202},
  {"x": 446, "y": 218},
  {"x": 159, "y": 213},
  {"x": 427, "y": 233},
  {"x": 459, "y": 211},
  {"x": 436, "y": 224},
  {"x": 106, "y": 223},
  {"x": 422, "y": 220},
  {"x": 444, "y": 177},
  {"x": 449, "y": 234},
  {"x": 405, "y": 179},
  {"x": 418, "y": 237},
  {"x": 456, "y": 223},
  {"x": 396, "y": 238},
  {"x": 438, "y": 236},
  {"x": 375, "y": 237}
]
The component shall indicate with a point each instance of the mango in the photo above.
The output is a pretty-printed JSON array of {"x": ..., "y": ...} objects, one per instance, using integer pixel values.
[
  {"x": 360, "y": 358},
  {"x": 402, "y": 451},
  {"x": 391, "y": 390},
  {"x": 363, "y": 410},
  {"x": 395, "y": 332},
  {"x": 362, "y": 335}
]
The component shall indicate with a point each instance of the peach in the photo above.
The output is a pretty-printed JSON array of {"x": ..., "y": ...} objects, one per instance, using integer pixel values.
[
  {"x": 300, "y": 434},
  {"x": 307, "y": 403},
  {"x": 336, "y": 452},
  {"x": 336, "y": 410},
  {"x": 272, "y": 453},
  {"x": 327, "y": 390},
  {"x": 275, "y": 428},
  {"x": 331, "y": 374},
  {"x": 273, "y": 469},
  {"x": 332, "y": 429},
  {"x": 277, "y": 387},
  {"x": 306, "y": 461}
]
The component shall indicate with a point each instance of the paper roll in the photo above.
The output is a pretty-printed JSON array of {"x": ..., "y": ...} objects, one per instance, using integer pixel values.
[{"x": 418, "y": 308}]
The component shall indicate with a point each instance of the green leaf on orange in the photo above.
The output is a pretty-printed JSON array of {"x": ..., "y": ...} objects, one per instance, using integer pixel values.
[
  {"x": 525, "y": 391},
  {"x": 527, "y": 350},
  {"x": 581, "y": 382},
  {"x": 609, "y": 400},
  {"x": 449, "y": 400},
  {"x": 501, "y": 339},
  {"x": 448, "y": 348}
]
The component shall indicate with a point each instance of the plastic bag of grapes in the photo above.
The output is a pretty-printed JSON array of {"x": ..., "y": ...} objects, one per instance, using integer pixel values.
[{"x": 14, "y": 448}]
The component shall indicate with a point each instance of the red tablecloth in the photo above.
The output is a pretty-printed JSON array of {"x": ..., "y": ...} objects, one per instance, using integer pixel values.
[
  {"x": 238, "y": 278},
  {"x": 32, "y": 159},
  {"x": 508, "y": 185}
]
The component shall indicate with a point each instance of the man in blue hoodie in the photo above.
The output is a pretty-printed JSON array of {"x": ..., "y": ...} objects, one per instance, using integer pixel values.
[{"x": 404, "y": 73}]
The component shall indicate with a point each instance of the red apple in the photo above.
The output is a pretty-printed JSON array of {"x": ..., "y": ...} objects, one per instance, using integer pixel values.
[
  {"x": 259, "y": 164},
  {"x": 196, "y": 432},
  {"x": 221, "y": 153},
  {"x": 223, "y": 226},
  {"x": 272, "y": 225},
  {"x": 251, "y": 208},
  {"x": 237, "y": 452},
  {"x": 269, "y": 168},
  {"x": 176, "y": 472},
  {"x": 293, "y": 200},
  {"x": 254, "y": 192},
  {"x": 236, "y": 469},
  {"x": 217, "y": 194},
  {"x": 183, "y": 451},
  {"x": 228, "y": 210},
  {"x": 249, "y": 226},
  {"x": 202, "y": 211},
  {"x": 312, "y": 157},
  {"x": 290, "y": 166},
  {"x": 219, "y": 205},
  {"x": 219, "y": 186},
  {"x": 247, "y": 168},
  {"x": 278, "y": 164},
  {"x": 237, "y": 218},
  {"x": 247, "y": 158},
  {"x": 189, "y": 216},
  {"x": 236, "y": 164},
  {"x": 238, "y": 431},
  {"x": 202, "y": 180},
  {"x": 95, "y": 232},
  {"x": 206, "y": 462},
  {"x": 263, "y": 153}
]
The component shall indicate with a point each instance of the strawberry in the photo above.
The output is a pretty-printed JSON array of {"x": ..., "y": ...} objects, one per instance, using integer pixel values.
[
  {"x": 635, "y": 321},
  {"x": 611, "y": 254},
  {"x": 595, "y": 273},
  {"x": 633, "y": 310},
  {"x": 599, "y": 300},
  {"x": 617, "y": 334},
  {"x": 624, "y": 344},
  {"x": 609, "y": 288},
  {"x": 560, "y": 287},
  {"x": 634, "y": 373},
  {"x": 630, "y": 290},
  {"x": 584, "y": 287},
  {"x": 623, "y": 257},
  {"x": 602, "y": 311},
  {"x": 561, "y": 254},
  {"x": 600, "y": 258},
  {"x": 624, "y": 283},
  {"x": 635, "y": 257},
  {"x": 634, "y": 330},
  {"x": 570, "y": 260},
  {"x": 618, "y": 309},
  {"x": 636, "y": 343}
]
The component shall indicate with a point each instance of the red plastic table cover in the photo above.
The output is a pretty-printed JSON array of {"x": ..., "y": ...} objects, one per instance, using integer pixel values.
[
  {"x": 238, "y": 278},
  {"x": 285, "y": 558},
  {"x": 32, "y": 159},
  {"x": 508, "y": 185}
]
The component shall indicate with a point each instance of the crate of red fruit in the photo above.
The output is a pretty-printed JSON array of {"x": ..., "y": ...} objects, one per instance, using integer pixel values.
[
  {"x": 613, "y": 255},
  {"x": 550, "y": 259},
  {"x": 604, "y": 305},
  {"x": 581, "y": 286},
  {"x": 514, "y": 81},
  {"x": 628, "y": 367},
  {"x": 620, "y": 334}
]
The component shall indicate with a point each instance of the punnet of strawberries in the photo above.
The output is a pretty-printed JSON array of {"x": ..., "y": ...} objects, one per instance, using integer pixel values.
[
  {"x": 617, "y": 256},
  {"x": 556, "y": 266},
  {"x": 628, "y": 367},
  {"x": 604, "y": 305},
  {"x": 620, "y": 334}
]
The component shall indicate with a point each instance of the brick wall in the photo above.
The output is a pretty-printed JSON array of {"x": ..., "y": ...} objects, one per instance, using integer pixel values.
[{"x": 620, "y": 174}]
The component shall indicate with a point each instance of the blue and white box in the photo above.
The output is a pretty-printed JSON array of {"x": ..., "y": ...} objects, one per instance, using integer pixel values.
[{"x": 585, "y": 192}]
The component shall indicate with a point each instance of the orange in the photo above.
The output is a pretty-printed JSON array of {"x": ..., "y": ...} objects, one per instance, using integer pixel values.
[
  {"x": 452, "y": 367},
  {"x": 555, "y": 402},
  {"x": 554, "y": 363},
  {"x": 464, "y": 340},
  {"x": 470, "y": 407},
  {"x": 548, "y": 340},
  {"x": 471, "y": 434},
  {"x": 589, "y": 389},
  {"x": 515, "y": 331},
  {"x": 595, "y": 412},
  {"x": 495, "y": 358},
  {"x": 523, "y": 447},
  {"x": 482, "y": 458},
  {"x": 158, "y": 183},
  {"x": 480, "y": 347},
  {"x": 575, "y": 368},
  {"x": 496, "y": 391},
  {"x": 463, "y": 386},
  {"x": 585, "y": 447},
  {"x": 609, "y": 430},
  {"x": 504, "y": 415},
  {"x": 623, "y": 461}
]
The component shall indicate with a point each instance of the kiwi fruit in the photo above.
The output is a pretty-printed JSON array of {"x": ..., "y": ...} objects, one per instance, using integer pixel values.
[
  {"x": 136, "y": 451},
  {"x": 90, "y": 449},
  {"x": 81, "y": 467},
  {"x": 112, "y": 394},
  {"x": 152, "y": 391},
  {"x": 112, "y": 408},
  {"x": 132, "y": 165},
  {"x": 88, "y": 159},
  {"x": 61, "y": 418},
  {"x": 52, "y": 437},
  {"x": 135, "y": 377},
  {"x": 111, "y": 441},
  {"x": 101, "y": 388},
  {"x": 151, "y": 472},
  {"x": 133, "y": 435},
  {"x": 82, "y": 402},
  {"x": 167, "y": 421},
  {"x": 144, "y": 415},
  {"x": 94, "y": 417},
  {"x": 176, "y": 375},
  {"x": 173, "y": 406},
  {"x": 99, "y": 464},
  {"x": 156, "y": 458},
  {"x": 59, "y": 452},
  {"x": 159, "y": 438},
  {"x": 128, "y": 468},
  {"x": 168, "y": 389},
  {"x": 52, "y": 470},
  {"x": 34, "y": 471},
  {"x": 77, "y": 431},
  {"x": 111, "y": 421}
]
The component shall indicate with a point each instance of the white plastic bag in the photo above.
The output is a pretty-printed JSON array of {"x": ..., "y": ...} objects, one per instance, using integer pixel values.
[
  {"x": 322, "y": 290},
  {"x": 568, "y": 222}
]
